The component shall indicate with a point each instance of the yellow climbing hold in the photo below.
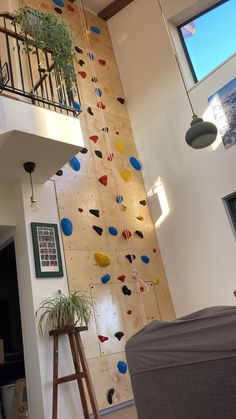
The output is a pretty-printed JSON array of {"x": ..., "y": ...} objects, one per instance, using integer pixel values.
[
  {"x": 140, "y": 218},
  {"x": 156, "y": 281},
  {"x": 126, "y": 175},
  {"x": 106, "y": 90},
  {"x": 120, "y": 146},
  {"x": 124, "y": 207},
  {"x": 101, "y": 259}
]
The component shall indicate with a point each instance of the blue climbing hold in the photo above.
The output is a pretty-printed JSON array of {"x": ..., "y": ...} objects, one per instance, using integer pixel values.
[
  {"x": 76, "y": 106},
  {"x": 91, "y": 56},
  {"x": 75, "y": 164},
  {"x": 98, "y": 91},
  {"x": 67, "y": 226},
  {"x": 119, "y": 199},
  {"x": 135, "y": 163},
  {"x": 122, "y": 367},
  {"x": 105, "y": 278},
  {"x": 113, "y": 231},
  {"x": 95, "y": 29},
  {"x": 59, "y": 3},
  {"x": 145, "y": 259}
]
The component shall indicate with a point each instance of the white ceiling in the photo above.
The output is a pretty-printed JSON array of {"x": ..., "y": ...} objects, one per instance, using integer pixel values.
[{"x": 96, "y": 5}]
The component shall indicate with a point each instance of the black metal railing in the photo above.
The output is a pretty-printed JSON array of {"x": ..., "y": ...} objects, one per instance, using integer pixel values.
[{"x": 30, "y": 73}]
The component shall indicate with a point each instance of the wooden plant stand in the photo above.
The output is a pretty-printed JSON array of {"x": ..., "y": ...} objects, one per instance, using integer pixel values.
[{"x": 81, "y": 370}]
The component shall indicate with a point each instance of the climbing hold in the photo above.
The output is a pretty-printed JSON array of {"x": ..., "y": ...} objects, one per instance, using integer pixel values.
[
  {"x": 101, "y": 105},
  {"x": 98, "y": 153},
  {"x": 67, "y": 226},
  {"x": 234, "y": 292},
  {"x": 126, "y": 175},
  {"x": 141, "y": 289},
  {"x": 94, "y": 212},
  {"x": 126, "y": 290},
  {"x": 156, "y": 281},
  {"x": 143, "y": 202},
  {"x": 135, "y": 163},
  {"x": 101, "y": 259},
  {"x": 106, "y": 90},
  {"x": 130, "y": 258},
  {"x": 110, "y": 394},
  {"x": 129, "y": 312},
  {"x": 123, "y": 207},
  {"x": 95, "y": 29},
  {"x": 140, "y": 218},
  {"x": 80, "y": 209},
  {"x": 120, "y": 146},
  {"x": 110, "y": 157},
  {"x": 70, "y": 8},
  {"x": 81, "y": 63},
  {"x": 91, "y": 56},
  {"x": 122, "y": 367},
  {"x": 102, "y": 338},
  {"x": 94, "y": 138},
  {"x": 78, "y": 49},
  {"x": 119, "y": 199},
  {"x": 59, "y": 3},
  {"x": 98, "y": 230},
  {"x": 58, "y": 10},
  {"x": 90, "y": 111},
  {"x": 59, "y": 173},
  {"x": 145, "y": 259},
  {"x": 101, "y": 61},
  {"x": 75, "y": 164},
  {"x": 76, "y": 105},
  {"x": 121, "y": 278},
  {"x": 103, "y": 180},
  {"x": 139, "y": 233},
  {"x": 94, "y": 79},
  {"x": 113, "y": 231},
  {"x": 84, "y": 150},
  {"x": 126, "y": 234},
  {"x": 119, "y": 335},
  {"x": 154, "y": 250},
  {"x": 98, "y": 91},
  {"x": 121, "y": 100},
  {"x": 83, "y": 74},
  {"x": 117, "y": 133},
  {"x": 105, "y": 129},
  {"x": 105, "y": 278}
]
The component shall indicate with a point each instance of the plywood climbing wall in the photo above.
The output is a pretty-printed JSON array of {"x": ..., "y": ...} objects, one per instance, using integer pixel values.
[{"x": 104, "y": 210}]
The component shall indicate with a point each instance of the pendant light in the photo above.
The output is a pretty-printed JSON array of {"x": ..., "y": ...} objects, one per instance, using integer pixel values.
[
  {"x": 29, "y": 167},
  {"x": 201, "y": 134}
]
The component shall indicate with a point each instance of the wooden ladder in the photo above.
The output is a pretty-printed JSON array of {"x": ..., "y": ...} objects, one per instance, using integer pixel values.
[{"x": 81, "y": 370}]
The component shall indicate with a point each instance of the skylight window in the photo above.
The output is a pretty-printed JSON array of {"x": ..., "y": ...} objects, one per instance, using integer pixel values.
[{"x": 209, "y": 38}]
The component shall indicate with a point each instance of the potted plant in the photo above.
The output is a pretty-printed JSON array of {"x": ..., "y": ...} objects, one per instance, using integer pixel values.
[
  {"x": 49, "y": 34},
  {"x": 64, "y": 311}
]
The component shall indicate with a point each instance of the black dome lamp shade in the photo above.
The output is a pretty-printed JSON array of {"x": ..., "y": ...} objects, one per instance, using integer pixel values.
[{"x": 201, "y": 134}]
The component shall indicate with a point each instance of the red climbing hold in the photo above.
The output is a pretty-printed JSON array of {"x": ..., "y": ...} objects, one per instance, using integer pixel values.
[
  {"x": 82, "y": 74},
  {"x": 70, "y": 8},
  {"x": 80, "y": 209},
  {"x": 121, "y": 278},
  {"x": 101, "y": 105},
  {"x": 103, "y": 180},
  {"x": 154, "y": 250},
  {"x": 141, "y": 289},
  {"x": 126, "y": 234},
  {"x": 94, "y": 138},
  {"x": 101, "y": 61},
  {"x": 110, "y": 158},
  {"x": 102, "y": 338},
  {"x": 129, "y": 312}
]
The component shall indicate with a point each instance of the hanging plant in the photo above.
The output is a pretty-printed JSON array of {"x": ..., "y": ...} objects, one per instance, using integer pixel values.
[{"x": 49, "y": 34}]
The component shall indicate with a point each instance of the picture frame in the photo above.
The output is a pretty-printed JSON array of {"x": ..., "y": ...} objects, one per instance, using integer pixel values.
[{"x": 47, "y": 253}]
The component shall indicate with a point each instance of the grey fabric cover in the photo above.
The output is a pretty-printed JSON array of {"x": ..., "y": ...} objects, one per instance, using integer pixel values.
[{"x": 186, "y": 368}]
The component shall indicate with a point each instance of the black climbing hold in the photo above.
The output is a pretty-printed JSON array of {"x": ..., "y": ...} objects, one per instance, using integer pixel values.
[
  {"x": 110, "y": 394},
  {"x": 98, "y": 153},
  {"x": 81, "y": 62},
  {"x": 139, "y": 233},
  {"x": 130, "y": 258},
  {"x": 59, "y": 173},
  {"x": 126, "y": 290},
  {"x": 119, "y": 335},
  {"x": 98, "y": 230},
  {"x": 84, "y": 150},
  {"x": 78, "y": 49},
  {"x": 94, "y": 79},
  {"x": 143, "y": 202},
  {"x": 58, "y": 10},
  {"x": 90, "y": 111},
  {"x": 95, "y": 212},
  {"x": 106, "y": 129},
  {"x": 121, "y": 100}
]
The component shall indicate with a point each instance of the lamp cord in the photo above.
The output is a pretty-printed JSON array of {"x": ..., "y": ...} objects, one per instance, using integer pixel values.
[{"x": 32, "y": 189}]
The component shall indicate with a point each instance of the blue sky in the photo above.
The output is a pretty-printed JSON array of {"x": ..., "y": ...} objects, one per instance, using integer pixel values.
[{"x": 214, "y": 40}]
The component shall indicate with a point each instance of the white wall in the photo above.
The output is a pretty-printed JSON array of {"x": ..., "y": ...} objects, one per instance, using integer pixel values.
[{"x": 196, "y": 240}]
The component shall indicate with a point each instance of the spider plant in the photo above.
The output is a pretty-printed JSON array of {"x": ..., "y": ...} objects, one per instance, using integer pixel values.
[{"x": 64, "y": 311}]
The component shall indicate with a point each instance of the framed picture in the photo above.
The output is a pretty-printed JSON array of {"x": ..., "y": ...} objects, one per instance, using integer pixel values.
[
  {"x": 223, "y": 104},
  {"x": 47, "y": 254}
]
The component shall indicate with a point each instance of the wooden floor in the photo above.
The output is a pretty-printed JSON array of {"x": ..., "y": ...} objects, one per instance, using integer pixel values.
[{"x": 126, "y": 413}]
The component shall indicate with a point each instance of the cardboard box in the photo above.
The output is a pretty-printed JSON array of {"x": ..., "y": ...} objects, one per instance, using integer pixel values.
[
  {"x": 20, "y": 405},
  {"x": 1, "y": 351}
]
